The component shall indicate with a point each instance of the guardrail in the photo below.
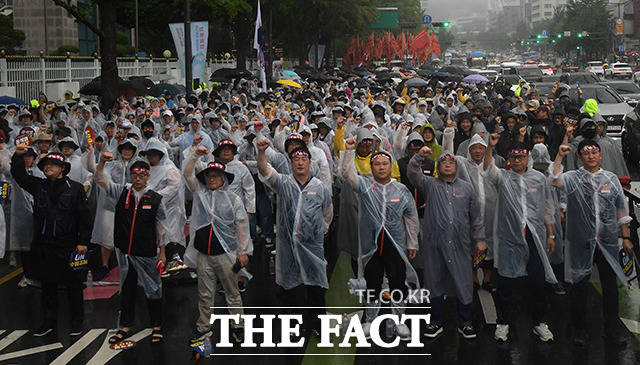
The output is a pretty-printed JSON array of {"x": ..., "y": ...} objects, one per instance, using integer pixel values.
[{"x": 31, "y": 74}]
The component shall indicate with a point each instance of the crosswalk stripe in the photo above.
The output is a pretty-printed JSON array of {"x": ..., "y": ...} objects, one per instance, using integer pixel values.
[
  {"x": 632, "y": 325},
  {"x": 106, "y": 353},
  {"x": 1, "y": 332},
  {"x": 31, "y": 351},
  {"x": 11, "y": 338},
  {"x": 78, "y": 346}
]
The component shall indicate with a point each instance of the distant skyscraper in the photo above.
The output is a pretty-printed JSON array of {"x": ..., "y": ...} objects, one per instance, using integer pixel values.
[{"x": 45, "y": 25}]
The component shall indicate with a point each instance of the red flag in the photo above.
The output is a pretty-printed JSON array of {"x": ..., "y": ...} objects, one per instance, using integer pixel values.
[
  {"x": 348, "y": 54},
  {"x": 435, "y": 45}
]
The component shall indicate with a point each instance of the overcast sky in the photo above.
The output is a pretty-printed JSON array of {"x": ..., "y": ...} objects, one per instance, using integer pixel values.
[{"x": 450, "y": 9}]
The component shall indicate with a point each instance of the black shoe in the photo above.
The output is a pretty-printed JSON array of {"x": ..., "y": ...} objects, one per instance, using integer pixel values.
[
  {"x": 614, "y": 339},
  {"x": 238, "y": 335},
  {"x": 241, "y": 286},
  {"x": 468, "y": 332},
  {"x": 44, "y": 330},
  {"x": 433, "y": 330},
  {"x": 76, "y": 330},
  {"x": 559, "y": 289}
]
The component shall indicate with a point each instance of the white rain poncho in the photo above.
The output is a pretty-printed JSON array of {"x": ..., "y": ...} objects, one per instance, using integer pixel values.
[
  {"x": 118, "y": 171},
  {"x": 21, "y": 227},
  {"x": 389, "y": 206},
  {"x": 540, "y": 155},
  {"x": 78, "y": 172},
  {"x": 523, "y": 201},
  {"x": 452, "y": 223},
  {"x": 303, "y": 217},
  {"x": 223, "y": 210},
  {"x": 486, "y": 192},
  {"x": 166, "y": 180},
  {"x": 596, "y": 206}
]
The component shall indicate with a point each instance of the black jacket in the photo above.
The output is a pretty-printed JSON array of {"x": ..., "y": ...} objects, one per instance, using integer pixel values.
[
  {"x": 428, "y": 168},
  {"x": 135, "y": 230},
  {"x": 61, "y": 215}
]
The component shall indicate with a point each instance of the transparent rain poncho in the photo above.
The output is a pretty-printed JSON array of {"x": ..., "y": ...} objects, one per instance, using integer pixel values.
[
  {"x": 389, "y": 206},
  {"x": 303, "y": 217},
  {"x": 166, "y": 180},
  {"x": 540, "y": 155},
  {"x": 452, "y": 225},
  {"x": 523, "y": 201},
  {"x": 596, "y": 207},
  {"x": 21, "y": 227},
  {"x": 223, "y": 210}
]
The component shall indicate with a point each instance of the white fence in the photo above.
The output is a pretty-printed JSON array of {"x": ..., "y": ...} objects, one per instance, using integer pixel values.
[{"x": 30, "y": 75}]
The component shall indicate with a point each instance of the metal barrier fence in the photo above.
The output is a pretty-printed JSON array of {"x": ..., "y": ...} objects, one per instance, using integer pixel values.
[{"x": 30, "y": 74}]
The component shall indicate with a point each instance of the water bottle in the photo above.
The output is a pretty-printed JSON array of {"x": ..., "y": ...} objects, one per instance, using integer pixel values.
[
  {"x": 390, "y": 328},
  {"x": 272, "y": 265},
  {"x": 89, "y": 279}
]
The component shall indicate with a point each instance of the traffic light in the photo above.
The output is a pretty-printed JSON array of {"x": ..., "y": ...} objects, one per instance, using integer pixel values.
[
  {"x": 522, "y": 43},
  {"x": 445, "y": 24},
  {"x": 553, "y": 41},
  {"x": 578, "y": 48},
  {"x": 538, "y": 42},
  {"x": 559, "y": 35},
  {"x": 440, "y": 24},
  {"x": 579, "y": 35},
  {"x": 539, "y": 36}
]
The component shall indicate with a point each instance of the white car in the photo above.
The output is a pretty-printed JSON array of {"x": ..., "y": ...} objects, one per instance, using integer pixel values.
[
  {"x": 546, "y": 69},
  {"x": 596, "y": 67},
  {"x": 618, "y": 69}
]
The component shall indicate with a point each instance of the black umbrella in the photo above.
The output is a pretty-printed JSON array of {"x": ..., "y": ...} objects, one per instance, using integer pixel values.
[
  {"x": 141, "y": 81},
  {"x": 359, "y": 83},
  {"x": 361, "y": 71},
  {"x": 163, "y": 88},
  {"x": 416, "y": 82},
  {"x": 226, "y": 74},
  {"x": 94, "y": 87},
  {"x": 456, "y": 70}
]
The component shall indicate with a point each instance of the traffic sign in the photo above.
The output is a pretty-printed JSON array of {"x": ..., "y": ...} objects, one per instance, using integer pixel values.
[
  {"x": 621, "y": 48},
  {"x": 619, "y": 26},
  {"x": 426, "y": 19},
  {"x": 567, "y": 33},
  {"x": 544, "y": 33}
]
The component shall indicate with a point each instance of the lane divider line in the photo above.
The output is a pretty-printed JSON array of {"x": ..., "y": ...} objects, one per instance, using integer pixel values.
[
  {"x": 31, "y": 351},
  {"x": 78, "y": 346},
  {"x": 106, "y": 353},
  {"x": 11, "y": 275},
  {"x": 11, "y": 338}
]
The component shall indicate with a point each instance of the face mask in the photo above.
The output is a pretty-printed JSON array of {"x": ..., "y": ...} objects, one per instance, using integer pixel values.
[
  {"x": 147, "y": 134},
  {"x": 589, "y": 133}
]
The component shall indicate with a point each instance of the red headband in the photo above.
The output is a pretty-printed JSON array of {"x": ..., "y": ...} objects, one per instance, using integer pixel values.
[
  {"x": 138, "y": 170},
  {"x": 380, "y": 154},
  {"x": 216, "y": 165},
  {"x": 448, "y": 156},
  {"x": 56, "y": 156},
  {"x": 225, "y": 142},
  {"x": 300, "y": 153},
  {"x": 519, "y": 152},
  {"x": 590, "y": 147}
]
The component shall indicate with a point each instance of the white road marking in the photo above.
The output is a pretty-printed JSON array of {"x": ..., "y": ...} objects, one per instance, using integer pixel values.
[
  {"x": 11, "y": 338},
  {"x": 488, "y": 307},
  {"x": 78, "y": 346},
  {"x": 31, "y": 351},
  {"x": 1, "y": 332},
  {"x": 632, "y": 325},
  {"x": 106, "y": 353}
]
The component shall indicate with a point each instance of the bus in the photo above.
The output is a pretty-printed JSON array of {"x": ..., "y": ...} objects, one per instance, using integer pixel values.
[{"x": 476, "y": 60}]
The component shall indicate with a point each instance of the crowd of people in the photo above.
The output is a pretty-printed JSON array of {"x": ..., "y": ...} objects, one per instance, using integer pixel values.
[{"x": 423, "y": 188}]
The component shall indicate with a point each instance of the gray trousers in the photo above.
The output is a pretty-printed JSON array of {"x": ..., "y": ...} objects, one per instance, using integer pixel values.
[{"x": 210, "y": 270}]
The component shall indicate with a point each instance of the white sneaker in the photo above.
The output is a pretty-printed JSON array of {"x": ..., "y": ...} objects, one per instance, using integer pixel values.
[
  {"x": 403, "y": 331},
  {"x": 502, "y": 332},
  {"x": 23, "y": 282},
  {"x": 542, "y": 330}
]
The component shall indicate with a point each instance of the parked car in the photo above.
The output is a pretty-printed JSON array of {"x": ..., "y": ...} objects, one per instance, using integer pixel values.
[
  {"x": 546, "y": 69},
  {"x": 596, "y": 67},
  {"x": 530, "y": 74},
  {"x": 611, "y": 105},
  {"x": 492, "y": 75},
  {"x": 618, "y": 70}
]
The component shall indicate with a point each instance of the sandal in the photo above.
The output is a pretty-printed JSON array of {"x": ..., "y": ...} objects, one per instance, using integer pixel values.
[
  {"x": 119, "y": 336},
  {"x": 488, "y": 286},
  {"x": 157, "y": 337}
]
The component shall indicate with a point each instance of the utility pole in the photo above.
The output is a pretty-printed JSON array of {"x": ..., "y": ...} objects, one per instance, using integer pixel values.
[
  {"x": 188, "y": 62},
  {"x": 46, "y": 33},
  {"x": 136, "y": 28}
]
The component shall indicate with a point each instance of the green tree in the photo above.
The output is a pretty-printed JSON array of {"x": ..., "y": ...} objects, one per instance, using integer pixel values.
[
  {"x": 106, "y": 32},
  {"x": 10, "y": 39},
  {"x": 63, "y": 49},
  {"x": 409, "y": 12}
]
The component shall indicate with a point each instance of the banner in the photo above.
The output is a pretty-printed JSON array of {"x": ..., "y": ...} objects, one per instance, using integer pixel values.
[
  {"x": 199, "y": 39},
  {"x": 258, "y": 43}
]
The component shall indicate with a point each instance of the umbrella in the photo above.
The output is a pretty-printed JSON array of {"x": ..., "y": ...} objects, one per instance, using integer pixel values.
[
  {"x": 475, "y": 79},
  {"x": 94, "y": 87},
  {"x": 289, "y": 83},
  {"x": 289, "y": 73},
  {"x": 359, "y": 83},
  {"x": 142, "y": 81},
  {"x": 163, "y": 88},
  {"x": 223, "y": 74},
  {"x": 456, "y": 70},
  {"x": 8, "y": 100},
  {"x": 416, "y": 82}
]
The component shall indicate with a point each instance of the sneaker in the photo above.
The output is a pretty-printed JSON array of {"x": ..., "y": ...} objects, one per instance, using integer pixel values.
[
  {"x": 268, "y": 243},
  {"x": 273, "y": 252},
  {"x": 559, "y": 289},
  {"x": 542, "y": 330},
  {"x": 467, "y": 331},
  {"x": 403, "y": 331},
  {"x": 13, "y": 262},
  {"x": 43, "y": 330},
  {"x": 165, "y": 274},
  {"x": 241, "y": 286},
  {"x": 23, "y": 282},
  {"x": 176, "y": 265},
  {"x": 502, "y": 332},
  {"x": 238, "y": 334},
  {"x": 366, "y": 328},
  {"x": 433, "y": 330},
  {"x": 101, "y": 273}
]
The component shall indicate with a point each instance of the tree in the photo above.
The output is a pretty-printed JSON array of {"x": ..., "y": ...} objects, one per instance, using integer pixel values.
[
  {"x": 63, "y": 49},
  {"x": 10, "y": 39},
  {"x": 106, "y": 32}
]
